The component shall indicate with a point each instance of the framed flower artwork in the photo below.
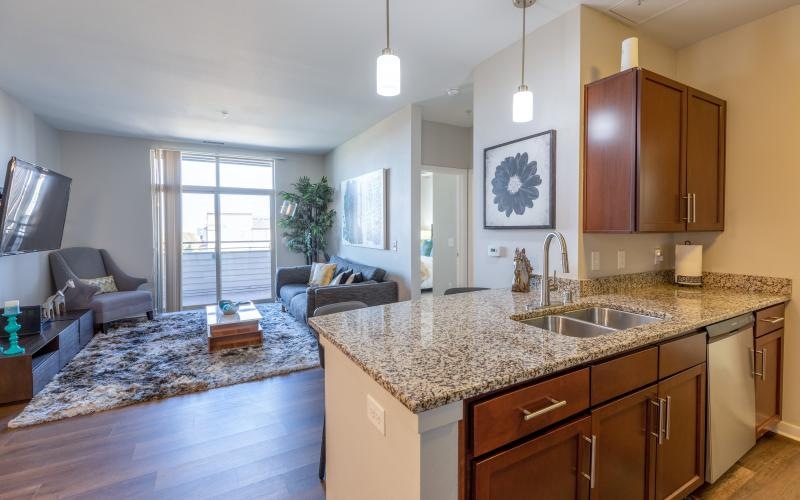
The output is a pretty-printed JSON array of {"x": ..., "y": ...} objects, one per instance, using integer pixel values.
[{"x": 519, "y": 184}]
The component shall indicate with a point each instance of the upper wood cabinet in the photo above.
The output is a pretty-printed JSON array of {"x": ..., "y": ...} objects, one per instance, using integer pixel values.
[{"x": 654, "y": 156}]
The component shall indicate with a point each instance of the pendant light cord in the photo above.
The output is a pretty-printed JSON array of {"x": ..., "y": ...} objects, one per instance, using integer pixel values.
[
  {"x": 524, "y": 7},
  {"x": 387, "y": 24}
]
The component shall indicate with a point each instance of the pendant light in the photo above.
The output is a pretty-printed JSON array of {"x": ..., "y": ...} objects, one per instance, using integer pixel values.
[
  {"x": 388, "y": 68},
  {"x": 522, "y": 106}
]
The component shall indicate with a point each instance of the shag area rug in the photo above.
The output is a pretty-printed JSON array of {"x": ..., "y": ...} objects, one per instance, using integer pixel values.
[{"x": 143, "y": 360}]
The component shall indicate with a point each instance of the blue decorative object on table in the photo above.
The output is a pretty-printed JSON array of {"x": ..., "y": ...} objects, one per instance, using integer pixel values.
[
  {"x": 11, "y": 311},
  {"x": 228, "y": 307}
]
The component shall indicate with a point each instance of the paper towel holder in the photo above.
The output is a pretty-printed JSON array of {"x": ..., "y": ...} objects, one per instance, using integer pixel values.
[{"x": 688, "y": 277}]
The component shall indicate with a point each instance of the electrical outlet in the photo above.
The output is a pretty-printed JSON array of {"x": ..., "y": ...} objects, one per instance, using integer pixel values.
[
  {"x": 658, "y": 256},
  {"x": 376, "y": 415},
  {"x": 620, "y": 259},
  {"x": 595, "y": 260}
]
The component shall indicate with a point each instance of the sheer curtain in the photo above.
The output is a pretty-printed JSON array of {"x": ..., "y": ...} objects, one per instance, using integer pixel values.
[{"x": 166, "y": 192}]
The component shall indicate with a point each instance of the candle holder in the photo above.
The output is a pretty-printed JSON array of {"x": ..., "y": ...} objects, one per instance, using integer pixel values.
[{"x": 12, "y": 327}]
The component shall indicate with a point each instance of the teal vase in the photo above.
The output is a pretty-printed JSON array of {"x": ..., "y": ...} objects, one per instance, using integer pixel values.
[{"x": 12, "y": 327}]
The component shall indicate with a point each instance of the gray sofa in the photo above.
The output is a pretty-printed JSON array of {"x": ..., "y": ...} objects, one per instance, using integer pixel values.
[
  {"x": 82, "y": 262},
  {"x": 301, "y": 300}
]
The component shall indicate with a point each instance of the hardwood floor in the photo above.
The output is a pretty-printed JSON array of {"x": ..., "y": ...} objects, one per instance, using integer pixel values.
[
  {"x": 254, "y": 440},
  {"x": 771, "y": 470}
]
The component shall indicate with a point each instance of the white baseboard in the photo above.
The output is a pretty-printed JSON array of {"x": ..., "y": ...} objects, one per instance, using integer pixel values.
[{"x": 788, "y": 430}]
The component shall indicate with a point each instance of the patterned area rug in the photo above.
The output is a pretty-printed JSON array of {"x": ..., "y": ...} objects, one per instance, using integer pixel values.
[{"x": 143, "y": 360}]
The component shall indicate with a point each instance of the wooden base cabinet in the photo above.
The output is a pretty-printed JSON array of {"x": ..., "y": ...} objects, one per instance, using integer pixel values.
[
  {"x": 555, "y": 465},
  {"x": 768, "y": 363}
]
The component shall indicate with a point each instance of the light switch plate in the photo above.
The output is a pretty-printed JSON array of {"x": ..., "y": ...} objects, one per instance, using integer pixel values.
[
  {"x": 658, "y": 256},
  {"x": 376, "y": 415},
  {"x": 394, "y": 245},
  {"x": 595, "y": 260},
  {"x": 620, "y": 259},
  {"x": 494, "y": 251}
]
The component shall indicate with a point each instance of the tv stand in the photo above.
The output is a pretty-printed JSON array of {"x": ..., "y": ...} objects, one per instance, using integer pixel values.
[{"x": 47, "y": 352}]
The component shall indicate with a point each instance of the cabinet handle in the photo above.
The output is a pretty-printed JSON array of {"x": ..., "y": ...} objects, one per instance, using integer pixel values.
[
  {"x": 761, "y": 353},
  {"x": 668, "y": 418},
  {"x": 530, "y": 415},
  {"x": 694, "y": 207},
  {"x": 592, "y": 459},
  {"x": 773, "y": 319},
  {"x": 688, "y": 199},
  {"x": 660, "y": 433},
  {"x": 763, "y": 364}
]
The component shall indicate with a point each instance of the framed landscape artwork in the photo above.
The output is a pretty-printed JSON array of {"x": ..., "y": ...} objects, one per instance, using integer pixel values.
[
  {"x": 520, "y": 183},
  {"x": 364, "y": 210}
]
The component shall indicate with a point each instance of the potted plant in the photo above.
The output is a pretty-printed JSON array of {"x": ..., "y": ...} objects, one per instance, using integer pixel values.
[{"x": 306, "y": 219}]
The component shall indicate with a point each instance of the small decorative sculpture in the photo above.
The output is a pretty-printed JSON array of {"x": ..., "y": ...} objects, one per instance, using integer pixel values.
[
  {"x": 11, "y": 311},
  {"x": 55, "y": 305},
  {"x": 522, "y": 272}
]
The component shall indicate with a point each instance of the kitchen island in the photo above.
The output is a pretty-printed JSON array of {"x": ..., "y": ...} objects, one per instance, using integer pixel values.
[{"x": 410, "y": 366}]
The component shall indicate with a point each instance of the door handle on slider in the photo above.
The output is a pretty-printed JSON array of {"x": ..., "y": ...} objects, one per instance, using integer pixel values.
[
  {"x": 592, "y": 459},
  {"x": 530, "y": 415}
]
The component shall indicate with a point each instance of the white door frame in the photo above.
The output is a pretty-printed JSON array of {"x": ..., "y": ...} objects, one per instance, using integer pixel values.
[{"x": 463, "y": 212}]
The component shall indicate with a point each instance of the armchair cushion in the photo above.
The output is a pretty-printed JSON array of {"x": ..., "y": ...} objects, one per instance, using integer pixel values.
[{"x": 117, "y": 305}]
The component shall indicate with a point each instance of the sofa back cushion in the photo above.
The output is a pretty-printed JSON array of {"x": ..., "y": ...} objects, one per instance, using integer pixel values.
[{"x": 368, "y": 272}]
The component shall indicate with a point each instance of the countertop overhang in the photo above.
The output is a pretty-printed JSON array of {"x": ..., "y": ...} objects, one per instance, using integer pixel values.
[{"x": 437, "y": 350}]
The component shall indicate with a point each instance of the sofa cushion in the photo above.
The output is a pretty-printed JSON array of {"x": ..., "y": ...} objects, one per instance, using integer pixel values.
[
  {"x": 368, "y": 272},
  {"x": 117, "y": 305},
  {"x": 288, "y": 292},
  {"x": 299, "y": 307}
]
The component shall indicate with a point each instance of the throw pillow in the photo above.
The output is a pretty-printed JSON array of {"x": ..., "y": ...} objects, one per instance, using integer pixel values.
[
  {"x": 337, "y": 280},
  {"x": 355, "y": 278},
  {"x": 426, "y": 248},
  {"x": 106, "y": 284},
  {"x": 321, "y": 274}
]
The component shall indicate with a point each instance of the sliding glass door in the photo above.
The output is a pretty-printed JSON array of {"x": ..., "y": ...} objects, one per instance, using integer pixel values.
[{"x": 227, "y": 231}]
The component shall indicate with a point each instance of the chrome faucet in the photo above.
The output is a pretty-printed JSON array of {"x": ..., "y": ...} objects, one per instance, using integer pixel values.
[{"x": 546, "y": 286}]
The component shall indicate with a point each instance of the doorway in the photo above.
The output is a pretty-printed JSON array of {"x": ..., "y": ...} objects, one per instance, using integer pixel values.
[{"x": 444, "y": 212}]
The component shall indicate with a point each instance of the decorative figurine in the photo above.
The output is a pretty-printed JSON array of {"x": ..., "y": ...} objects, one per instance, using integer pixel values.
[
  {"x": 522, "y": 272},
  {"x": 11, "y": 311},
  {"x": 55, "y": 305}
]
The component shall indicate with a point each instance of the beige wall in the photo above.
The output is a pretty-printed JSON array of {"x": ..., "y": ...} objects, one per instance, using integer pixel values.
[
  {"x": 756, "y": 68},
  {"x": 23, "y": 134},
  {"x": 552, "y": 73},
  {"x": 445, "y": 145},
  {"x": 601, "y": 39}
]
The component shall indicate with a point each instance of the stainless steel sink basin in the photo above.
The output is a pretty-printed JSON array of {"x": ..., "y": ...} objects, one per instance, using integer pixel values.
[
  {"x": 611, "y": 318},
  {"x": 568, "y": 326}
]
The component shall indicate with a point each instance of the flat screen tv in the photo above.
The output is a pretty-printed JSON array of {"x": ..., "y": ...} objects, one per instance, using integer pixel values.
[{"x": 33, "y": 208}]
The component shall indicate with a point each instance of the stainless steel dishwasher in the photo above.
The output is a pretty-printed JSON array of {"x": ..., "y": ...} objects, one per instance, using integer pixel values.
[{"x": 731, "y": 416}]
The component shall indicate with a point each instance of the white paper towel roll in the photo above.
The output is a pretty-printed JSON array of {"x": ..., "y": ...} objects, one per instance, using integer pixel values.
[
  {"x": 689, "y": 264},
  {"x": 630, "y": 53}
]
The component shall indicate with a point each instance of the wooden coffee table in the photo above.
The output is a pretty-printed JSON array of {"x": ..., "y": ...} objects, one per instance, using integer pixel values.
[{"x": 235, "y": 330}]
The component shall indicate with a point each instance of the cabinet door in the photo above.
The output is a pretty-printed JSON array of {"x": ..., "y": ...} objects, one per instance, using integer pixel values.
[
  {"x": 552, "y": 466},
  {"x": 662, "y": 159},
  {"x": 625, "y": 447},
  {"x": 768, "y": 365},
  {"x": 705, "y": 161},
  {"x": 680, "y": 457}
]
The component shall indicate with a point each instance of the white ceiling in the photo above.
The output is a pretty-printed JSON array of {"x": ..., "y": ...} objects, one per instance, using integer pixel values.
[{"x": 293, "y": 75}]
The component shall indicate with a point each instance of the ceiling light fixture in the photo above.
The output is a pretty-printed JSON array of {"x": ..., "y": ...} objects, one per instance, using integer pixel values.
[
  {"x": 453, "y": 91},
  {"x": 522, "y": 105},
  {"x": 388, "y": 69}
]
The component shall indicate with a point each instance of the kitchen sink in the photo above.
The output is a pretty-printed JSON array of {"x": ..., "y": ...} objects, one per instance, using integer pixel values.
[
  {"x": 568, "y": 326},
  {"x": 611, "y": 318}
]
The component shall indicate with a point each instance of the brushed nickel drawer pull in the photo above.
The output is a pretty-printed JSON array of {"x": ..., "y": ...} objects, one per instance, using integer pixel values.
[
  {"x": 659, "y": 403},
  {"x": 773, "y": 320},
  {"x": 763, "y": 364},
  {"x": 694, "y": 207},
  {"x": 530, "y": 415},
  {"x": 592, "y": 460},
  {"x": 763, "y": 360},
  {"x": 688, "y": 199},
  {"x": 668, "y": 418}
]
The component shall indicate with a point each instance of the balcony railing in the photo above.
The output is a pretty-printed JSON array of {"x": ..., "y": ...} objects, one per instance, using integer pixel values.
[{"x": 245, "y": 275}]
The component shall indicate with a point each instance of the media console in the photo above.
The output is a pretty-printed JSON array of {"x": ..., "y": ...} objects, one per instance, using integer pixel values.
[{"x": 47, "y": 352}]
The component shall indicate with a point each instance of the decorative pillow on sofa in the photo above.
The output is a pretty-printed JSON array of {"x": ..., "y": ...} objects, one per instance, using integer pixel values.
[
  {"x": 355, "y": 278},
  {"x": 321, "y": 274},
  {"x": 341, "y": 278},
  {"x": 106, "y": 284}
]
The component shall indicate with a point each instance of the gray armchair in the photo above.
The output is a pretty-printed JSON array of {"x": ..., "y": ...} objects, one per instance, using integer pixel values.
[{"x": 82, "y": 262}]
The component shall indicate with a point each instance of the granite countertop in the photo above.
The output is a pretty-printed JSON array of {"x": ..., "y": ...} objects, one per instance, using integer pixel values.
[{"x": 437, "y": 350}]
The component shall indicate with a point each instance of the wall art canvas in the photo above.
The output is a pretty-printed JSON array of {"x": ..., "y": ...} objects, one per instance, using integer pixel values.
[
  {"x": 520, "y": 183},
  {"x": 364, "y": 210}
]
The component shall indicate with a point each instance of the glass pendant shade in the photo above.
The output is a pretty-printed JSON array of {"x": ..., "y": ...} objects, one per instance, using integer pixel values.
[
  {"x": 388, "y": 74},
  {"x": 523, "y": 105}
]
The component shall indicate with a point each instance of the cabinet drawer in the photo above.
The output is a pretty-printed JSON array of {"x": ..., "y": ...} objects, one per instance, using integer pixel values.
[
  {"x": 68, "y": 344},
  {"x": 678, "y": 355},
  {"x": 45, "y": 368},
  {"x": 513, "y": 415},
  {"x": 770, "y": 319},
  {"x": 86, "y": 328},
  {"x": 624, "y": 374}
]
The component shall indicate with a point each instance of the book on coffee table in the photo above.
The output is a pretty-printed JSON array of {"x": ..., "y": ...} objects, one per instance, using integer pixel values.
[{"x": 233, "y": 330}]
